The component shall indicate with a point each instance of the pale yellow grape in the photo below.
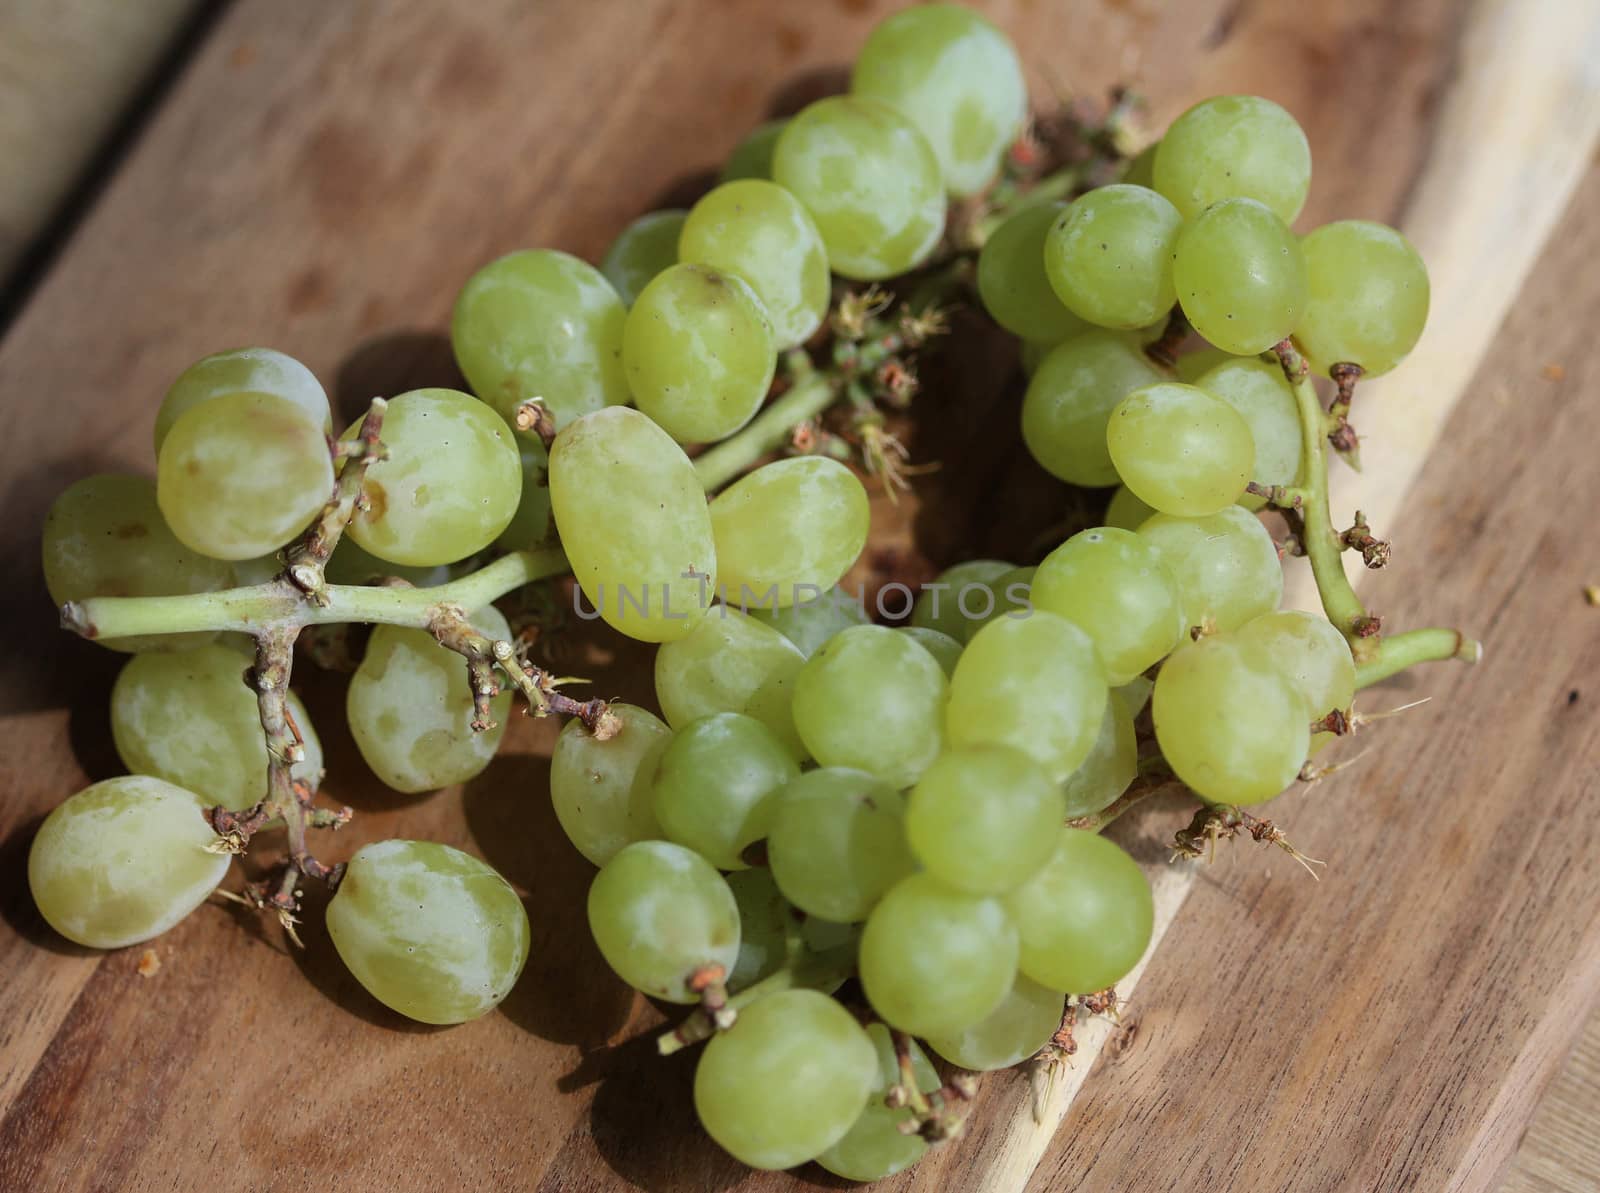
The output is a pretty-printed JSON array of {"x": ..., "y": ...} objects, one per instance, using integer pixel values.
[
  {"x": 449, "y": 483},
  {"x": 541, "y": 324},
  {"x": 1261, "y": 395},
  {"x": 1069, "y": 402},
  {"x": 105, "y": 536},
  {"x": 1181, "y": 449},
  {"x": 874, "y": 700},
  {"x": 1230, "y": 725},
  {"x": 642, "y": 250},
  {"x": 1240, "y": 276},
  {"x": 786, "y": 1081},
  {"x": 1014, "y": 287},
  {"x": 1035, "y": 684},
  {"x": 602, "y": 788},
  {"x": 959, "y": 597},
  {"x": 242, "y": 474},
  {"x": 1234, "y": 145},
  {"x": 731, "y": 662},
  {"x": 1126, "y": 510},
  {"x": 1225, "y": 565},
  {"x": 1015, "y": 1030},
  {"x": 752, "y": 157},
  {"x": 957, "y": 77},
  {"x": 633, "y": 520},
  {"x": 409, "y": 706},
  {"x": 814, "y": 617},
  {"x": 875, "y": 1147},
  {"x": 123, "y": 861},
  {"x": 787, "y": 530},
  {"x": 1108, "y": 256},
  {"x": 530, "y": 525},
  {"x": 698, "y": 350},
  {"x": 191, "y": 719},
  {"x": 1367, "y": 297},
  {"x": 1113, "y": 760},
  {"x": 869, "y": 179},
  {"x": 244, "y": 370},
  {"x": 430, "y": 931},
  {"x": 759, "y": 232}
]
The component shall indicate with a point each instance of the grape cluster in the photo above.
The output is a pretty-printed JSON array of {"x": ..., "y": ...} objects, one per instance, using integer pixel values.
[{"x": 822, "y": 800}]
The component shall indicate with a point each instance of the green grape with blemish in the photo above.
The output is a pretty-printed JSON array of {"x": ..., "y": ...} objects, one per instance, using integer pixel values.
[
  {"x": 646, "y": 247},
  {"x": 602, "y": 788},
  {"x": 731, "y": 662},
  {"x": 1225, "y": 566},
  {"x": 124, "y": 860},
  {"x": 869, "y": 179},
  {"x": 1179, "y": 448},
  {"x": 541, "y": 324},
  {"x": 1240, "y": 276},
  {"x": 1015, "y": 1030},
  {"x": 429, "y": 931},
  {"x": 837, "y": 843},
  {"x": 244, "y": 370},
  {"x": 717, "y": 783},
  {"x": 105, "y": 537},
  {"x": 633, "y": 521},
  {"x": 1234, "y": 146},
  {"x": 449, "y": 482},
  {"x": 241, "y": 474},
  {"x": 875, "y": 1147},
  {"x": 1069, "y": 401},
  {"x": 660, "y": 914},
  {"x": 1108, "y": 256},
  {"x": 1366, "y": 297}
]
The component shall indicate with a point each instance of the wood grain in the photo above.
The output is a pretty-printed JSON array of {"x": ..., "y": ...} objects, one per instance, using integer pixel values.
[{"x": 322, "y": 179}]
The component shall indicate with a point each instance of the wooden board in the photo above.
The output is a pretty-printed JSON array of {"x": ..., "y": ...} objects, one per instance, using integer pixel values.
[{"x": 322, "y": 179}]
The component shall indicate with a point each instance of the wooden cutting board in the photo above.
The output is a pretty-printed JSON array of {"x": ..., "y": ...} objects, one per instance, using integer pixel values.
[{"x": 323, "y": 177}]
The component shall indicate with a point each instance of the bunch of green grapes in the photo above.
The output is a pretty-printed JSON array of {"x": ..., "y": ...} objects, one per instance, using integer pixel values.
[{"x": 813, "y": 795}]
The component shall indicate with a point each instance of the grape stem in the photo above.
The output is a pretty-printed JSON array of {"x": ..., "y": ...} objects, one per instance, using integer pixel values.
[
  {"x": 1376, "y": 657},
  {"x": 767, "y": 432},
  {"x": 305, "y": 560},
  {"x": 803, "y": 970}
]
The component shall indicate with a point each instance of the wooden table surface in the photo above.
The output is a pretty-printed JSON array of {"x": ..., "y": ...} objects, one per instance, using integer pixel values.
[{"x": 322, "y": 177}]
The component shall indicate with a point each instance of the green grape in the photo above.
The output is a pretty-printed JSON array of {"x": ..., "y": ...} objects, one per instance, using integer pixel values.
[
  {"x": 1240, "y": 275},
  {"x": 530, "y": 525},
  {"x": 1141, "y": 171},
  {"x": 659, "y": 913},
  {"x": 1030, "y": 354},
  {"x": 959, "y": 597},
  {"x": 124, "y": 860},
  {"x": 242, "y": 474},
  {"x": 409, "y": 706},
  {"x": 821, "y": 936},
  {"x": 760, "y": 233},
  {"x": 1113, "y": 760},
  {"x": 717, "y": 784},
  {"x": 1086, "y": 918},
  {"x": 788, "y": 530},
  {"x": 1012, "y": 282},
  {"x": 1126, "y": 511},
  {"x": 838, "y": 843},
  {"x": 541, "y": 324},
  {"x": 643, "y": 249},
  {"x": 874, "y": 700},
  {"x": 959, "y": 80},
  {"x": 1367, "y": 297},
  {"x": 983, "y": 818},
  {"x": 1181, "y": 449},
  {"x": 786, "y": 1081},
  {"x": 431, "y": 932},
  {"x": 349, "y": 564},
  {"x": 633, "y": 520},
  {"x": 935, "y": 960},
  {"x": 1114, "y": 587},
  {"x": 1191, "y": 365},
  {"x": 945, "y": 649},
  {"x": 448, "y": 484},
  {"x": 1258, "y": 391},
  {"x": 1108, "y": 256},
  {"x": 765, "y": 922},
  {"x": 190, "y": 719},
  {"x": 1230, "y": 725},
  {"x": 1225, "y": 566},
  {"x": 875, "y": 1146},
  {"x": 1070, "y": 399},
  {"x": 1233, "y": 146},
  {"x": 105, "y": 536},
  {"x": 1310, "y": 652},
  {"x": 1136, "y": 694},
  {"x": 601, "y": 787},
  {"x": 1012, "y": 598},
  {"x": 1011, "y": 1033},
  {"x": 731, "y": 662},
  {"x": 244, "y": 370},
  {"x": 752, "y": 157},
  {"x": 699, "y": 353},
  {"x": 814, "y": 617},
  {"x": 869, "y": 179},
  {"x": 1033, "y": 683}
]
